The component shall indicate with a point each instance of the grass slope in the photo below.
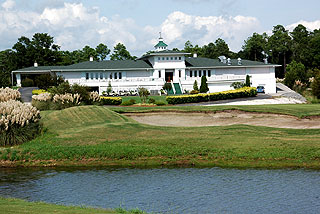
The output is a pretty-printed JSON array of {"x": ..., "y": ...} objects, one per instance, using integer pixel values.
[
  {"x": 14, "y": 206},
  {"x": 93, "y": 135}
]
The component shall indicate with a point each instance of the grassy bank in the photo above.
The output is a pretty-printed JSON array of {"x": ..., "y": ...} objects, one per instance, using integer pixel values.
[
  {"x": 93, "y": 135},
  {"x": 298, "y": 110},
  {"x": 14, "y": 206}
]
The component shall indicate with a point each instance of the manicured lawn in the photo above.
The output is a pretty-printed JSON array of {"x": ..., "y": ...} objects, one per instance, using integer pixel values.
[
  {"x": 138, "y": 100},
  {"x": 94, "y": 135},
  {"x": 15, "y": 206},
  {"x": 298, "y": 110}
]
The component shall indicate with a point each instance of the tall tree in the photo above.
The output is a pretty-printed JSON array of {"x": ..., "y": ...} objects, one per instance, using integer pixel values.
[
  {"x": 255, "y": 47},
  {"x": 120, "y": 52},
  {"x": 222, "y": 48},
  {"x": 88, "y": 52},
  {"x": 300, "y": 42},
  {"x": 279, "y": 46},
  {"x": 102, "y": 51},
  {"x": 314, "y": 45},
  {"x": 40, "y": 49}
]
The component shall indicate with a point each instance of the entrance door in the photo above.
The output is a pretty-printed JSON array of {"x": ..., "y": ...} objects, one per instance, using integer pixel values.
[{"x": 169, "y": 75}]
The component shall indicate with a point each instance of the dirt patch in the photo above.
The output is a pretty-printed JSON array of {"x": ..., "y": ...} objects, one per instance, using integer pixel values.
[{"x": 224, "y": 118}]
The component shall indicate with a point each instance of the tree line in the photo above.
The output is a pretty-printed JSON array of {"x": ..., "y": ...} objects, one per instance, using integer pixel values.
[{"x": 281, "y": 47}]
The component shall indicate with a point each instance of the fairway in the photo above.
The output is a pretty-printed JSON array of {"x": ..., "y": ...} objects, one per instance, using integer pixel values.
[{"x": 98, "y": 136}]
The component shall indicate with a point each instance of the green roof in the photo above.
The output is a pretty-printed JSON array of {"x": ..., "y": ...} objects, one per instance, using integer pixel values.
[
  {"x": 206, "y": 62},
  {"x": 111, "y": 64},
  {"x": 161, "y": 44},
  {"x": 42, "y": 68},
  {"x": 107, "y": 65}
]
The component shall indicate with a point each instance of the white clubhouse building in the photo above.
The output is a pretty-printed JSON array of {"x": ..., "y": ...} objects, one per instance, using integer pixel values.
[{"x": 153, "y": 70}]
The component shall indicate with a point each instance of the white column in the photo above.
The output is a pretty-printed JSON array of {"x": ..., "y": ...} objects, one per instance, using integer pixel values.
[{"x": 18, "y": 77}]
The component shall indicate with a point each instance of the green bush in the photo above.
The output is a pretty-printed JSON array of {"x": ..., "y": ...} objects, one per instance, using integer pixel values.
[
  {"x": 160, "y": 103},
  {"x": 27, "y": 82},
  {"x": 151, "y": 100},
  {"x": 196, "y": 98},
  {"x": 295, "y": 71},
  {"x": 83, "y": 91},
  {"x": 129, "y": 102},
  {"x": 42, "y": 105}
]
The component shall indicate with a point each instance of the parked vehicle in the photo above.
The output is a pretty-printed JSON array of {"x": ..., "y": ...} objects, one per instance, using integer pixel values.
[{"x": 260, "y": 89}]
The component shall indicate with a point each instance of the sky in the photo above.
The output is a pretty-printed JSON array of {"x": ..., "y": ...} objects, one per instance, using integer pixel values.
[{"x": 137, "y": 23}]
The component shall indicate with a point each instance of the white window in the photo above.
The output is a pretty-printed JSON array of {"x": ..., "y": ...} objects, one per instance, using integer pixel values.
[
  {"x": 190, "y": 73},
  {"x": 91, "y": 76},
  {"x": 204, "y": 73},
  {"x": 159, "y": 58},
  {"x": 179, "y": 57},
  {"x": 101, "y": 76},
  {"x": 179, "y": 73},
  {"x": 110, "y": 77},
  {"x": 97, "y": 76},
  {"x": 115, "y": 76},
  {"x": 159, "y": 73},
  {"x": 175, "y": 58},
  {"x": 162, "y": 58},
  {"x": 87, "y": 76},
  {"x": 120, "y": 75}
]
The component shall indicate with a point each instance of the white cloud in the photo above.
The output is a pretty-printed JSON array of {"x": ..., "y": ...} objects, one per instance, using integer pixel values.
[
  {"x": 180, "y": 27},
  {"x": 8, "y": 4},
  {"x": 311, "y": 26},
  {"x": 73, "y": 25}
]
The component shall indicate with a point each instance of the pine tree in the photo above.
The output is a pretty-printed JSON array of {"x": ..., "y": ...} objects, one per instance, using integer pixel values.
[
  {"x": 195, "y": 86},
  {"x": 204, "y": 85}
]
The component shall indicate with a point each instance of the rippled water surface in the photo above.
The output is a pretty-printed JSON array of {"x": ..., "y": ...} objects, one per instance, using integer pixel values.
[{"x": 182, "y": 190}]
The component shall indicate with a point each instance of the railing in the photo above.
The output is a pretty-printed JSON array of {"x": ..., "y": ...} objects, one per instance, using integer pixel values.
[{"x": 219, "y": 77}]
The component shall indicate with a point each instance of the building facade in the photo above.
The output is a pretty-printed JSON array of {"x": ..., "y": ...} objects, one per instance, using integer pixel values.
[{"x": 156, "y": 68}]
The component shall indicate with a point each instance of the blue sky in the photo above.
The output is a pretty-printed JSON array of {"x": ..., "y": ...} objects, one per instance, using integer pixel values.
[{"x": 136, "y": 23}]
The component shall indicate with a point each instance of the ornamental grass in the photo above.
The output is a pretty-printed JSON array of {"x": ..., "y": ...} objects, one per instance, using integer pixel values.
[
  {"x": 7, "y": 94},
  {"x": 19, "y": 122}
]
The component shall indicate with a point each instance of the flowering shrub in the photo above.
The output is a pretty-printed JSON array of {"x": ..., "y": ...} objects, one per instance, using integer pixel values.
[
  {"x": 7, "y": 94},
  {"x": 19, "y": 122},
  {"x": 196, "y": 98},
  {"x": 110, "y": 100},
  {"x": 38, "y": 91}
]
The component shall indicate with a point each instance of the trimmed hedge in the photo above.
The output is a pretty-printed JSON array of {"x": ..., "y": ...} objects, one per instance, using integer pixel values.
[
  {"x": 196, "y": 98},
  {"x": 110, "y": 100}
]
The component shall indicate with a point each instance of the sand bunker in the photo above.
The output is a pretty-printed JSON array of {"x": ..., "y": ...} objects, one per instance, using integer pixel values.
[{"x": 225, "y": 118}]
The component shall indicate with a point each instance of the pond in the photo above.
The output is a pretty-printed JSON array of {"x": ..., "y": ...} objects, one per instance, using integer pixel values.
[{"x": 177, "y": 190}]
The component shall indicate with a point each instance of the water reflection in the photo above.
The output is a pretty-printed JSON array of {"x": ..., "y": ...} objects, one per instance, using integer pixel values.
[{"x": 182, "y": 190}]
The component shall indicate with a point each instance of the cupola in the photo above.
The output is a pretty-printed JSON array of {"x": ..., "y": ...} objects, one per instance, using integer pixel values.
[{"x": 161, "y": 46}]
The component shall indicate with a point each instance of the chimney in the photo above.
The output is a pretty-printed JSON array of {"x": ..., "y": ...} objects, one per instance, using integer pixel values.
[
  {"x": 35, "y": 64},
  {"x": 239, "y": 61},
  {"x": 229, "y": 61},
  {"x": 195, "y": 55},
  {"x": 91, "y": 59}
]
